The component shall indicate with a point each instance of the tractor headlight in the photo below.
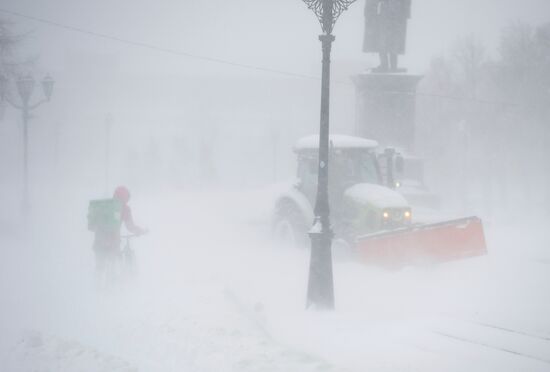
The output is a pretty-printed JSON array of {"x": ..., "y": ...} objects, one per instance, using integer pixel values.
[
  {"x": 397, "y": 184},
  {"x": 407, "y": 215},
  {"x": 386, "y": 215}
]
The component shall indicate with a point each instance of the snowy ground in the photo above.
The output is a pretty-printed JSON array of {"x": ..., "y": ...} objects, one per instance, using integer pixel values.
[{"x": 215, "y": 294}]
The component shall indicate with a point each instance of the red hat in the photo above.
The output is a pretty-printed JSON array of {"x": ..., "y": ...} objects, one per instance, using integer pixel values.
[{"x": 121, "y": 193}]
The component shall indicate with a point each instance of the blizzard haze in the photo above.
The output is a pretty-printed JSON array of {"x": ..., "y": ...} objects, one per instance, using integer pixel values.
[{"x": 195, "y": 106}]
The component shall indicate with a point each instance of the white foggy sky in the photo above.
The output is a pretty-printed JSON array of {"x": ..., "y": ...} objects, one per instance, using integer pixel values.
[{"x": 278, "y": 34}]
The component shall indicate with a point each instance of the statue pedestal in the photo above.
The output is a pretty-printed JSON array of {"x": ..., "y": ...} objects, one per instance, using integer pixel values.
[{"x": 385, "y": 108}]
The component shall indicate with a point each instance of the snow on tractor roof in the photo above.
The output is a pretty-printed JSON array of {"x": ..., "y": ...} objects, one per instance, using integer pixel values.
[{"x": 337, "y": 141}]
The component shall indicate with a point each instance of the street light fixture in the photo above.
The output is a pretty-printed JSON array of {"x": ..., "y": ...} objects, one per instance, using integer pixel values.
[
  {"x": 320, "y": 291},
  {"x": 47, "y": 86},
  {"x": 25, "y": 87}
]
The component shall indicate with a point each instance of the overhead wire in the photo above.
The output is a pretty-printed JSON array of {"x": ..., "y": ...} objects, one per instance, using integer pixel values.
[
  {"x": 155, "y": 47},
  {"x": 230, "y": 63},
  {"x": 455, "y": 98}
]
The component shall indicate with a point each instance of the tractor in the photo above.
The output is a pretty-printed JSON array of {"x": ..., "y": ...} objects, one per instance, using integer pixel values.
[{"x": 367, "y": 214}]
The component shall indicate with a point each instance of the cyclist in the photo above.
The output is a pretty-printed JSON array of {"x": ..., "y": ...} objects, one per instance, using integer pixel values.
[{"x": 107, "y": 242}]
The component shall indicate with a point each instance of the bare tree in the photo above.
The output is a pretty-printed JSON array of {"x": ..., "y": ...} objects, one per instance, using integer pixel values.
[
  {"x": 517, "y": 49},
  {"x": 523, "y": 79},
  {"x": 10, "y": 62},
  {"x": 471, "y": 57}
]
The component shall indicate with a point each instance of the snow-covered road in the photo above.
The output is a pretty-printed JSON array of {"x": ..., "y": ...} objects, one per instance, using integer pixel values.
[{"x": 215, "y": 294}]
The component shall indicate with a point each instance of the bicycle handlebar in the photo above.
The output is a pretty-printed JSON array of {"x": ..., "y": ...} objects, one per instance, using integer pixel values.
[
  {"x": 134, "y": 235},
  {"x": 129, "y": 236}
]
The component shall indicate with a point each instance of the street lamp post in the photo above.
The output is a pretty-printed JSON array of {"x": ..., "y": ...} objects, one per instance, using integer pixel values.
[
  {"x": 108, "y": 127},
  {"x": 25, "y": 87},
  {"x": 320, "y": 291}
]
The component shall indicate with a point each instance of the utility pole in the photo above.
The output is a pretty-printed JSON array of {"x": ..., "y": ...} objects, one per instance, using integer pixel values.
[
  {"x": 25, "y": 87},
  {"x": 108, "y": 127},
  {"x": 275, "y": 135},
  {"x": 25, "y": 113}
]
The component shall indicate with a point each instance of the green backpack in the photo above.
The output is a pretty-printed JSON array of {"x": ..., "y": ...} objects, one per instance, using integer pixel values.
[{"x": 104, "y": 215}]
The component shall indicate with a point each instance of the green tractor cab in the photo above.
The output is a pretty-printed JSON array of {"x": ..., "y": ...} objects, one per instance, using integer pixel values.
[{"x": 360, "y": 203}]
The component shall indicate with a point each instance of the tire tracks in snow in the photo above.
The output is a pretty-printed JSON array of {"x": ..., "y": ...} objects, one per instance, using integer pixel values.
[
  {"x": 480, "y": 343},
  {"x": 38, "y": 351},
  {"x": 545, "y": 338},
  {"x": 499, "y": 338}
]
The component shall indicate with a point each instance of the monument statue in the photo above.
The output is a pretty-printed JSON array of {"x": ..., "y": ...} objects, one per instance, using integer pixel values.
[{"x": 386, "y": 31}]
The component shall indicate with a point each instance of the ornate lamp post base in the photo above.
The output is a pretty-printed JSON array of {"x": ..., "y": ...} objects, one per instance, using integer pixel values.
[{"x": 320, "y": 290}]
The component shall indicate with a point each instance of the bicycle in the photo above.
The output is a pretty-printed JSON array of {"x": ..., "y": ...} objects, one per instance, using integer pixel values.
[
  {"x": 127, "y": 255},
  {"x": 118, "y": 265}
]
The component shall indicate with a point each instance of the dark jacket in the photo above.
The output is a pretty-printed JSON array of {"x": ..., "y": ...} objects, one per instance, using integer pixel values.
[{"x": 110, "y": 240}]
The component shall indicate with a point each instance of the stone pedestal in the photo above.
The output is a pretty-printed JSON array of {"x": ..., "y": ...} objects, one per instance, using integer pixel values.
[{"x": 385, "y": 108}]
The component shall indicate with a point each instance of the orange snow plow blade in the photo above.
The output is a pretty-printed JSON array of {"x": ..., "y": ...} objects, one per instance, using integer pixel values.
[{"x": 430, "y": 243}]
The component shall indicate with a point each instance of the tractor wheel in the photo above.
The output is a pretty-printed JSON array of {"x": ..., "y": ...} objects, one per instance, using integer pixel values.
[{"x": 289, "y": 226}]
